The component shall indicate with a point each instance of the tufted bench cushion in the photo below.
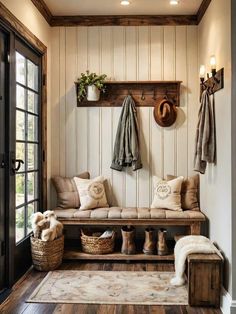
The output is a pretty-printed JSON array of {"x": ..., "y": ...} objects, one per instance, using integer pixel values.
[{"x": 127, "y": 213}]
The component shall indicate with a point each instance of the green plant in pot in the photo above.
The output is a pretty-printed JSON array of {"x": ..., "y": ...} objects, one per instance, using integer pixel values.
[{"x": 90, "y": 85}]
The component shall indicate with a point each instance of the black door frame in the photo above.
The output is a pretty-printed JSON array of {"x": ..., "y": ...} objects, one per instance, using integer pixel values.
[
  {"x": 14, "y": 28},
  {"x": 3, "y": 161}
]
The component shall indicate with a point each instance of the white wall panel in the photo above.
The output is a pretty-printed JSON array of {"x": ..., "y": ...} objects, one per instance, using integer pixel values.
[{"x": 86, "y": 136}]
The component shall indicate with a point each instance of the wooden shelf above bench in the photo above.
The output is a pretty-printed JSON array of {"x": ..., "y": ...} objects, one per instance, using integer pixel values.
[{"x": 144, "y": 93}]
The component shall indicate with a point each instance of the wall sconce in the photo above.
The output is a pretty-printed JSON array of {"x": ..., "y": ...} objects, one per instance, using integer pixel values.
[{"x": 213, "y": 83}]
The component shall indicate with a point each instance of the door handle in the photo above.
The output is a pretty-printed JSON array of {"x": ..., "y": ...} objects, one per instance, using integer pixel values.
[{"x": 16, "y": 164}]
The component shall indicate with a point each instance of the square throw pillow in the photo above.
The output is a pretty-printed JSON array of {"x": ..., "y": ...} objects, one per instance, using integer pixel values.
[
  {"x": 67, "y": 193},
  {"x": 189, "y": 192},
  {"x": 92, "y": 193},
  {"x": 167, "y": 193}
]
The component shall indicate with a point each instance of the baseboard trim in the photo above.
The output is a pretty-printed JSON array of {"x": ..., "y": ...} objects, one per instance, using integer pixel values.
[{"x": 226, "y": 302}]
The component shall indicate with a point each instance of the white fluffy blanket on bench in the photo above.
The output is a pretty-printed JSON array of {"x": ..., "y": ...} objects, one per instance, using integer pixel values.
[{"x": 189, "y": 245}]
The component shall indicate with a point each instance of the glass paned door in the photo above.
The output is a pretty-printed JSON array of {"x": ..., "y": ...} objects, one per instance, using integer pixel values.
[{"x": 27, "y": 168}]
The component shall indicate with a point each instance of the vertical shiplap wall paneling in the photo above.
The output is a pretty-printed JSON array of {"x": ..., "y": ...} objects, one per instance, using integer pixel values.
[
  {"x": 94, "y": 130},
  {"x": 119, "y": 55},
  {"x": 143, "y": 72},
  {"x": 55, "y": 112},
  {"x": 181, "y": 124},
  {"x": 193, "y": 91},
  {"x": 83, "y": 138},
  {"x": 62, "y": 106},
  {"x": 131, "y": 54},
  {"x": 106, "y": 113},
  {"x": 82, "y": 112},
  {"x": 71, "y": 74},
  {"x": 169, "y": 74},
  {"x": 156, "y": 132}
]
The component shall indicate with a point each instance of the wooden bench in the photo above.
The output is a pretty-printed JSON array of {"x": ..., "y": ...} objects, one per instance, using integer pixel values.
[{"x": 118, "y": 216}]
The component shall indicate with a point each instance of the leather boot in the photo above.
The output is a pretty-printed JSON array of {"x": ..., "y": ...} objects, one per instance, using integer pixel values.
[
  {"x": 149, "y": 244},
  {"x": 128, "y": 244},
  {"x": 162, "y": 248}
]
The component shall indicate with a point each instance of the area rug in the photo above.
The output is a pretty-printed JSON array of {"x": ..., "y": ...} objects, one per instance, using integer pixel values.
[{"x": 109, "y": 287}]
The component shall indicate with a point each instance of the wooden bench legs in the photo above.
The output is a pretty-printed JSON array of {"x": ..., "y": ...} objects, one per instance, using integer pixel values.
[{"x": 194, "y": 228}]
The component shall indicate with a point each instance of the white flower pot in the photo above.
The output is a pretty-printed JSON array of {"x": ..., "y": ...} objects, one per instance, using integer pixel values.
[{"x": 93, "y": 93}]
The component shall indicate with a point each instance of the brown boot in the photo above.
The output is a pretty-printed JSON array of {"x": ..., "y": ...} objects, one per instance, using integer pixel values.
[
  {"x": 162, "y": 248},
  {"x": 128, "y": 244},
  {"x": 149, "y": 244}
]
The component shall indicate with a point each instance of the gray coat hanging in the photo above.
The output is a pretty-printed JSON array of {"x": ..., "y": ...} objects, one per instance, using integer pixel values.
[{"x": 126, "y": 149}]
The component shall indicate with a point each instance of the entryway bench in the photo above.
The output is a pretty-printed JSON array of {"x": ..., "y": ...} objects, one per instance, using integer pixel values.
[
  {"x": 118, "y": 216},
  {"x": 132, "y": 216}
]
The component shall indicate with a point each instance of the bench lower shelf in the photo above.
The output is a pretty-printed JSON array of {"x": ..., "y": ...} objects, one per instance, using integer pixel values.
[{"x": 75, "y": 254}]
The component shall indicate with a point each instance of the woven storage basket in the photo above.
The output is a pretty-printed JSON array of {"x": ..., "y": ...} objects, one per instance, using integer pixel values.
[
  {"x": 47, "y": 255},
  {"x": 96, "y": 245}
]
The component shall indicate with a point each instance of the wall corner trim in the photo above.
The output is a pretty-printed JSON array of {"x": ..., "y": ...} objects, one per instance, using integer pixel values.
[
  {"x": 202, "y": 10},
  {"x": 44, "y": 10},
  {"x": 226, "y": 302}
]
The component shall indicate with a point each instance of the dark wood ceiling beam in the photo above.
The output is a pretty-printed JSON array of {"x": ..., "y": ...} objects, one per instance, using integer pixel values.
[
  {"x": 202, "y": 10},
  {"x": 120, "y": 20},
  {"x": 123, "y": 20},
  {"x": 43, "y": 9}
]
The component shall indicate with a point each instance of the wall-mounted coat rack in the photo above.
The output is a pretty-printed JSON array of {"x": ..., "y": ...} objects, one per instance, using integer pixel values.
[
  {"x": 144, "y": 93},
  {"x": 214, "y": 83}
]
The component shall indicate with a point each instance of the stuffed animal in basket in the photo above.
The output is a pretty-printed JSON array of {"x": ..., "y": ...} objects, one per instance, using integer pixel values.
[
  {"x": 55, "y": 227},
  {"x": 39, "y": 223}
]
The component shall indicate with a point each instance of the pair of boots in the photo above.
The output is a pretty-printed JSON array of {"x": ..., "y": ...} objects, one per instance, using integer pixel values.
[
  {"x": 150, "y": 245},
  {"x": 128, "y": 243}
]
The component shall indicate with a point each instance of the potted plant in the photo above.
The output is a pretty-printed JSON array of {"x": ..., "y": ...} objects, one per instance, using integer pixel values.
[{"x": 90, "y": 85}]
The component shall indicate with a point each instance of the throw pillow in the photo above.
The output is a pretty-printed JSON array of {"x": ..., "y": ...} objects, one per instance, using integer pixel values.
[
  {"x": 67, "y": 194},
  {"x": 189, "y": 192},
  {"x": 92, "y": 193},
  {"x": 167, "y": 193}
]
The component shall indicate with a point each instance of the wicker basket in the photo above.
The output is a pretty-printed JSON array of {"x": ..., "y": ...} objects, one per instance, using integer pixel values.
[
  {"x": 95, "y": 245},
  {"x": 47, "y": 255}
]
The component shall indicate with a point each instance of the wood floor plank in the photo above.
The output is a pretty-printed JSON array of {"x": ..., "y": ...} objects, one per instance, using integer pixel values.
[{"x": 16, "y": 304}]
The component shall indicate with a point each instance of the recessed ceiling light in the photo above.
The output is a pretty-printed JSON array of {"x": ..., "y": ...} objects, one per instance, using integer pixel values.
[
  {"x": 174, "y": 2},
  {"x": 125, "y": 2}
]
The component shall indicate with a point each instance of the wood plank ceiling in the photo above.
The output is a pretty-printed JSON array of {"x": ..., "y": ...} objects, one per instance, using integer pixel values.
[{"x": 121, "y": 20}]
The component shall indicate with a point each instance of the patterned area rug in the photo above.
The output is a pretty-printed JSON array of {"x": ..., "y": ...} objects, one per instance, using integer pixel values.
[{"x": 109, "y": 287}]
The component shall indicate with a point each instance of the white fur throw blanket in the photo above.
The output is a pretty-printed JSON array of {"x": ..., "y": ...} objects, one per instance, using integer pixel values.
[{"x": 188, "y": 245}]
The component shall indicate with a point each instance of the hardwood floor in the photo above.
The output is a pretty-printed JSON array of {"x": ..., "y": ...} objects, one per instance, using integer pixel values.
[{"x": 21, "y": 291}]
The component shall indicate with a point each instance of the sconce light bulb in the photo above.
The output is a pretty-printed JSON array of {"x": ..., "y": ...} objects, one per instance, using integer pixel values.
[
  {"x": 213, "y": 62},
  {"x": 202, "y": 71}
]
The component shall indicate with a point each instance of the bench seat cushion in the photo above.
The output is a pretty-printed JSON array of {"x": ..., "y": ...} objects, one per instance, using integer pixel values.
[{"x": 128, "y": 213}]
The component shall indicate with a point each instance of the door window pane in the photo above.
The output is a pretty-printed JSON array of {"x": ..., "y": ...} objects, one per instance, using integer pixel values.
[
  {"x": 20, "y": 223},
  {"x": 32, "y": 157},
  {"x": 20, "y": 69},
  {"x": 32, "y": 128},
  {"x": 32, "y": 102},
  {"x": 32, "y": 186},
  {"x": 20, "y": 189},
  {"x": 20, "y": 125},
  {"x": 20, "y": 97},
  {"x": 28, "y": 103},
  {"x": 20, "y": 154},
  {"x": 32, "y": 75},
  {"x": 31, "y": 208}
]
